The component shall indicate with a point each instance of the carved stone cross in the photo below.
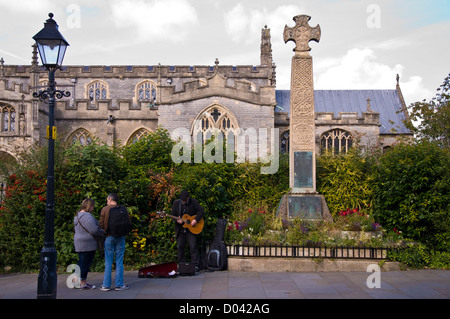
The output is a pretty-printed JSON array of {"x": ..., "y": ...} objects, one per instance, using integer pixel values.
[
  {"x": 302, "y": 200},
  {"x": 301, "y": 33}
]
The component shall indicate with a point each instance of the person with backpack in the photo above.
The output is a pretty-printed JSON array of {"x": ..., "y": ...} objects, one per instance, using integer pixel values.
[{"x": 116, "y": 222}]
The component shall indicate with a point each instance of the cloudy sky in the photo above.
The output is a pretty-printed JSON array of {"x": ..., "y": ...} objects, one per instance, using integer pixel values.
[{"x": 364, "y": 44}]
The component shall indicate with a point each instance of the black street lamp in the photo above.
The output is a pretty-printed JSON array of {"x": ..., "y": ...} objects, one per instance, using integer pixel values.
[{"x": 52, "y": 47}]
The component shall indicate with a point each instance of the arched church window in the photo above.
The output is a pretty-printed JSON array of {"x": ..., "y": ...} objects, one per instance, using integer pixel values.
[
  {"x": 81, "y": 136},
  {"x": 284, "y": 143},
  {"x": 215, "y": 118},
  {"x": 336, "y": 141},
  {"x": 136, "y": 136},
  {"x": 8, "y": 118},
  {"x": 146, "y": 91},
  {"x": 97, "y": 90}
]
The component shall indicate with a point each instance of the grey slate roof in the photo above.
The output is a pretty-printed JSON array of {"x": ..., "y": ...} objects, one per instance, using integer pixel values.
[{"x": 385, "y": 102}]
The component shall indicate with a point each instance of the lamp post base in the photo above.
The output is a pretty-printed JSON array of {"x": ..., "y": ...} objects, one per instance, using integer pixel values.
[{"x": 47, "y": 279}]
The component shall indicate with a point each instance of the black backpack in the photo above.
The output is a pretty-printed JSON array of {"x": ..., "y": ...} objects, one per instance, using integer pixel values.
[
  {"x": 119, "y": 223},
  {"x": 217, "y": 256}
]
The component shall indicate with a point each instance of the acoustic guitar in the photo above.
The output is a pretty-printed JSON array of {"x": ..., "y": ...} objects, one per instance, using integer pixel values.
[{"x": 187, "y": 220}]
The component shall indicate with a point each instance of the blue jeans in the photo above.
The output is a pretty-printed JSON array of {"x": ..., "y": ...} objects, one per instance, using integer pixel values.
[
  {"x": 114, "y": 247},
  {"x": 85, "y": 259}
]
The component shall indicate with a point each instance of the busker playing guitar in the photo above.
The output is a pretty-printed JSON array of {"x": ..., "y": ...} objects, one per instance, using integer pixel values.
[{"x": 187, "y": 206}]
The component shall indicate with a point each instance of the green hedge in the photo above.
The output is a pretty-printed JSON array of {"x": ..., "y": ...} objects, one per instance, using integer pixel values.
[
  {"x": 406, "y": 188},
  {"x": 412, "y": 193}
]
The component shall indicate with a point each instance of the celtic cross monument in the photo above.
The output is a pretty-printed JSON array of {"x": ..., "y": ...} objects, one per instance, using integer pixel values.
[{"x": 303, "y": 200}]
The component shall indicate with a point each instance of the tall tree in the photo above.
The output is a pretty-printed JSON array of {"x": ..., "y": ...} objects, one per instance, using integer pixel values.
[{"x": 431, "y": 120}]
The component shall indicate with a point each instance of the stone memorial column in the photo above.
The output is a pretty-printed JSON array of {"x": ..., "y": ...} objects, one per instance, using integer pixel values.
[
  {"x": 302, "y": 126},
  {"x": 303, "y": 200}
]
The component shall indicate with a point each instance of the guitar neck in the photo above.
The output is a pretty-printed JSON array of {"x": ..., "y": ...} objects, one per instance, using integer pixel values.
[{"x": 176, "y": 217}]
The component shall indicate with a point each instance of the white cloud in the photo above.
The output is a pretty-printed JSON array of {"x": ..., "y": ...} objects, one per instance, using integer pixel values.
[
  {"x": 359, "y": 69},
  {"x": 155, "y": 20},
  {"x": 243, "y": 25},
  {"x": 236, "y": 22},
  {"x": 414, "y": 91}
]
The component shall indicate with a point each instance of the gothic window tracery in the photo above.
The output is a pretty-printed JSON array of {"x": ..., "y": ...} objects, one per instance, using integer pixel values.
[
  {"x": 8, "y": 118},
  {"x": 81, "y": 136},
  {"x": 213, "y": 119},
  {"x": 97, "y": 90},
  {"x": 336, "y": 141},
  {"x": 136, "y": 136},
  {"x": 146, "y": 91}
]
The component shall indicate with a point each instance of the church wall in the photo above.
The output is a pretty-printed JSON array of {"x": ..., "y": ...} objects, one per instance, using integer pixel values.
[
  {"x": 365, "y": 130},
  {"x": 172, "y": 116}
]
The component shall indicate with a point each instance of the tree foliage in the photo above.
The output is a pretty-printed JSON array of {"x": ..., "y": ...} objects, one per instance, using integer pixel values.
[
  {"x": 431, "y": 120},
  {"x": 413, "y": 192}
]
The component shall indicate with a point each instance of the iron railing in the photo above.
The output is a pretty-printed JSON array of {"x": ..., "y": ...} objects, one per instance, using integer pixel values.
[{"x": 335, "y": 252}]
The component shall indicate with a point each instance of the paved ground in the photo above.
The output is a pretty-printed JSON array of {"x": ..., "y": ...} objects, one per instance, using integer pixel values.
[{"x": 419, "y": 284}]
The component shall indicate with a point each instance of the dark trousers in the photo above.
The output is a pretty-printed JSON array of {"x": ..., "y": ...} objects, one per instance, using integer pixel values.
[
  {"x": 186, "y": 236},
  {"x": 85, "y": 260}
]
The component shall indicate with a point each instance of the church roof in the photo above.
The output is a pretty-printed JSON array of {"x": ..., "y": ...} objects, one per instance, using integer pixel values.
[{"x": 385, "y": 102}]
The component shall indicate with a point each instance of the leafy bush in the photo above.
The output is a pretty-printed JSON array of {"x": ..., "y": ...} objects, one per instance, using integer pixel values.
[
  {"x": 23, "y": 211},
  {"x": 413, "y": 192},
  {"x": 346, "y": 181}
]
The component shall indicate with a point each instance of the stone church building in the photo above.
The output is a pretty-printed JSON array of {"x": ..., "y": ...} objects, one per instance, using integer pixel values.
[{"x": 120, "y": 104}]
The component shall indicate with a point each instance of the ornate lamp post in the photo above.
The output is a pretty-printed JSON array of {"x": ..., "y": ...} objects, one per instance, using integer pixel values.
[{"x": 52, "y": 47}]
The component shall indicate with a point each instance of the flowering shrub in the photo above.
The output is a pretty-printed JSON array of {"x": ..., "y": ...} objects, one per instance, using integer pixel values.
[{"x": 357, "y": 220}]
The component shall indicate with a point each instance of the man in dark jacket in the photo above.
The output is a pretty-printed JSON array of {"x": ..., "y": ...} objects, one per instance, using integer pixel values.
[{"x": 191, "y": 207}]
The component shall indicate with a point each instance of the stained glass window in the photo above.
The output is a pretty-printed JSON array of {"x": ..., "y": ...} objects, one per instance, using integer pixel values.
[
  {"x": 146, "y": 91},
  {"x": 336, "y": 141},
  {"x": 8, "y": 118},
  {"x": 82, "y": 137},
  {"x": 96, "y": 91},
  {"x": 138, "y": 135}
]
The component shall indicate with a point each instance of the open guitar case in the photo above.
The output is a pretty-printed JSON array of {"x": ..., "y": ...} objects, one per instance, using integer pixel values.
[{"x": 165, "y": 270}]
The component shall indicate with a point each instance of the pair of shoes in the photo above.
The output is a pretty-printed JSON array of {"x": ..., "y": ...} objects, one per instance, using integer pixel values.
[
  {"x": 120, "y": 288},
  {"x": 105, "y": 288},
  {"x": 88, "y": 286}
]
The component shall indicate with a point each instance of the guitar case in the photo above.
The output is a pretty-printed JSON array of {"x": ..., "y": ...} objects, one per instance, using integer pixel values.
[
  {"x": 166, "y": 270},
  {"x": 217, "y": 256}
]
